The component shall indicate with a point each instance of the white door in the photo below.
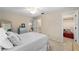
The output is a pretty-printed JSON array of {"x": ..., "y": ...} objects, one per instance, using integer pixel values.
[{"x": 75, "y": 15}]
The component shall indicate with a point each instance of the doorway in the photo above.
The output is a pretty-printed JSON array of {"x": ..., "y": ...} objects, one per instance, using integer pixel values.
[{"x": 70, "y": 26}]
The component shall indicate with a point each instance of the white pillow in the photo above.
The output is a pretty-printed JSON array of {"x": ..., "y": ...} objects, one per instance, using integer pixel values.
[
  {"x": 4, "y": 42},
  {"x": 14, "y": 38},
  {"x": 3, "y": 35},
  {"x": 0, "y": 48}
]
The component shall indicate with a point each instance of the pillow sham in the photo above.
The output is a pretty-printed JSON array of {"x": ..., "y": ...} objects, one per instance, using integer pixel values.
[
  {"x": 4, "y": 42},
  {"x": 3, "y": 36},
  {"x": 0, "y": 48},
  {"x": 14, "y": 38}
]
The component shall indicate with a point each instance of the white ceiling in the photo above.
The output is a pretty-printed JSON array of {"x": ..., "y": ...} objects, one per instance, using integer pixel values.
[{"x": 22, "y": 10}]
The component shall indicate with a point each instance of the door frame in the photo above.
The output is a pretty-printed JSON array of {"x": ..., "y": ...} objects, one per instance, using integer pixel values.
[{"x": 76, "y": 23}]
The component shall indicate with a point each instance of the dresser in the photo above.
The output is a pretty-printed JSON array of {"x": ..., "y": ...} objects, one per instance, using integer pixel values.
[{"x": 22, "y": 30}]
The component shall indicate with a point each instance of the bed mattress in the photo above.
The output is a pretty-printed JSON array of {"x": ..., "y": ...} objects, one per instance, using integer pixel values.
[{"x": 32, "y": 41}]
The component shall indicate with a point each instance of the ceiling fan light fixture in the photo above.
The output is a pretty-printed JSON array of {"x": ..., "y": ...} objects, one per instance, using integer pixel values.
[{"x": 32, "y": 10}]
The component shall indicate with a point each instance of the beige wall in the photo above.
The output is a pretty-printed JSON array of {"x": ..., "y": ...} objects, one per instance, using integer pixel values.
[
  {"x": 16, "y": 20},
  {"x": 52, "y": 26}
]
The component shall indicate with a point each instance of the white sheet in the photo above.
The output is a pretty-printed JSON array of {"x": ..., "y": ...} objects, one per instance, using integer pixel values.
[{"x": 31, "y": 41}]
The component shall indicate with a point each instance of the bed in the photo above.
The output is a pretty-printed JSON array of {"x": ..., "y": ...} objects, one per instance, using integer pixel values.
[{"x": 31, "y": 41}]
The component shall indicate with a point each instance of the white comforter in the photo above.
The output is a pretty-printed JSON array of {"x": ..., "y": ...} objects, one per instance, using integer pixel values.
[{"x": 32, "y": 41}]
